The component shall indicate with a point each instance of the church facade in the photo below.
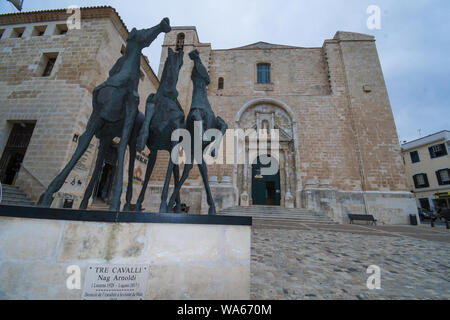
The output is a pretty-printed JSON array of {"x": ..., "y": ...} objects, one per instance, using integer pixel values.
[{"x": 338, "y": 146}]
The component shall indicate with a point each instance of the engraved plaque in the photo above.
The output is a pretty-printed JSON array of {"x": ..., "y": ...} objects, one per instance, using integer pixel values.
[{"x": 115, "y": 282}]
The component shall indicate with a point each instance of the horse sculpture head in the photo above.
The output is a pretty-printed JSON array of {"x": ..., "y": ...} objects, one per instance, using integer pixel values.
[
  {"x": 144, "y": 37},
  {"x": 199, "y": 69},
  {"x": 169, "y": 78}
]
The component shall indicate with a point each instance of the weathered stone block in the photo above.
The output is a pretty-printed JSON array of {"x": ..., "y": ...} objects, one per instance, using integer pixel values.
[{"x": 28, "y": 239}]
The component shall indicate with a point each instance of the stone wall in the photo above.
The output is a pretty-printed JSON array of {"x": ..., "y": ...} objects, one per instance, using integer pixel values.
[
  {"x": 187, "y": 261},
  {"x": 387, "y": 207}
]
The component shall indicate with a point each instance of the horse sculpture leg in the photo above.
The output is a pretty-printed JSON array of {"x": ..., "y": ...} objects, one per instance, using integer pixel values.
[
  {"x": 176, "y": 180},
  {"x": 164, "y": 194},
  {"x": 176, "y": 191},
  {"x": 209, "y": 198},
  {"x": 96, "y": 174},
  {"x": 129, "y": 196},
  {"x": 94, "y": 124},
  {"x": 131, "y": 112},
  {"x": 148, "y": 174}
]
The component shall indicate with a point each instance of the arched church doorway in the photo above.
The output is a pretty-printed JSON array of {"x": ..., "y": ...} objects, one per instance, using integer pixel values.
[
  {"x": 284, "y": 187},
  {"x": 265, "y": 188}
]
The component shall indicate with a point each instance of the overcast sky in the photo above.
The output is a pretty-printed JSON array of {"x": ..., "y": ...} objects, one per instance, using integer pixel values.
[{"x": 413, "y": 42}]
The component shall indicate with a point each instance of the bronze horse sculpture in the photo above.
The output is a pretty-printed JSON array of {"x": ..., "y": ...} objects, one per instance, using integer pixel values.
[
  {"x": 115, "y": 108},
  {"x": 163, "y": 115},
  {"x": 201, "y": 112},
  {"x": 163, "y": 101}
]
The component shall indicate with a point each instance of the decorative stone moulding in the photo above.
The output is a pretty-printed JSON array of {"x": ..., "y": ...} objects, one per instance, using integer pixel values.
[
  {"x": 311, "y": 182},
  {"x": 226, "y": 180},
  {"x": 213, "y": 180}
]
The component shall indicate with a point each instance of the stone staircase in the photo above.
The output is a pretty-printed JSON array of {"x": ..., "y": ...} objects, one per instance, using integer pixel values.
[
  {"x": 278, "y": 217},
  {"x": 12, "y": 195}
]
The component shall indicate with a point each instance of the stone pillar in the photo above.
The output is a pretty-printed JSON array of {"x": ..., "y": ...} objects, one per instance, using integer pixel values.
[
  {"x": 226, "y": 180},
  {"x": 288, "y": 198},
  {"x": 244, "y": 199},
  {"x": 308, "y": 195},
  {"x": 213, "y": 180}
]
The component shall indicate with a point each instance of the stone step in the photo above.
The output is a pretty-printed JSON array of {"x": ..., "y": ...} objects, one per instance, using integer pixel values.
[
  {"x": 11, "y": 189},
  {"x": 290, "y": 226},
  {"x": 15, "y": 196},
  {"x": 278, "y": 217},
  {"x": 16, "y": 203},
  {"x": 274, "y": 213},
  {"x": 257, "y": 207},
  {"x": 271, "y": 216},
  {"x": 290, "y": 221},
  {"x": 264, "y": 209},
  {"x": 12, "y": 195}
]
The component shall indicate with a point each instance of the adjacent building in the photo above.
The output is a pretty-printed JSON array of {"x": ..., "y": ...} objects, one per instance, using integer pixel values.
[{"x": 427, "y": 162}]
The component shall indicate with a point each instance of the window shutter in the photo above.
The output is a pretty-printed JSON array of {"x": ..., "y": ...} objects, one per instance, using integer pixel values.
[
  {"x": 421, "y": 180},
  {"x": 427, "y": 184},
  {"x": 443, "y": 176},
  {"x": 415, "y": 181},
  {"x": 438, "y": 176},
  {"x": 432, "y": 155},
  {"x": 263, "y": 73},
  {"x": 444, "y": 149}
]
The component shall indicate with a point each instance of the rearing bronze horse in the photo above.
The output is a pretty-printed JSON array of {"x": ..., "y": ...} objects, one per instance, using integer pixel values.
[
  {"x": 201, "y": 112},
  {"x": 163, "y": 115},
  {"x": 115, "y": 107}
]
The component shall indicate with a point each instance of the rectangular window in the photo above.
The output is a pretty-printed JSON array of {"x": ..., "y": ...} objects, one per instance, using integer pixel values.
[
  {"x": 421, "y": 181},
  {"x": 263, "y": 73},
  {"x": 17, "y": 32},
  {"x": 414, "y": 156},
  {"x": 48, "y": 63},
  {"x": 61, "y": 29},
  {"x": 437, "y": 151},
  {"x": 443, "y": 176},
  {"x": 38, "y": 31}
]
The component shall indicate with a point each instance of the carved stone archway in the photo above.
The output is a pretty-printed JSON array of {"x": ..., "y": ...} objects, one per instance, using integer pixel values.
[{"x": 269, "y": 113}]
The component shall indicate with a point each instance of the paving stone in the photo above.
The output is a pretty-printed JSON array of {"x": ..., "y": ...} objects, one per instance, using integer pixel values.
[{"x": 319, "y": 264}]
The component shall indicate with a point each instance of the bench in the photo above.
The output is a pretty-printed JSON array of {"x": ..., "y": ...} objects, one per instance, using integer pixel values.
[{"x": 362, "y": 217}]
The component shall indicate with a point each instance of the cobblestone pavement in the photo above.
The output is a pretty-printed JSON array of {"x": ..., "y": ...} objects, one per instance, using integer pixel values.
[{"x": 330, "y": 262}]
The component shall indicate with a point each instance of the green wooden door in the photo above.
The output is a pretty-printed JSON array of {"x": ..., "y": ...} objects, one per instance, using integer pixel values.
[{"x": 265, "y": 189}]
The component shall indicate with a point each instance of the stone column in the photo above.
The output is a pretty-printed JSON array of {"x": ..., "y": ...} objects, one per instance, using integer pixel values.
[
  {"x": 288, "y": 198},
  {"x": 244, "y": 195}
]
